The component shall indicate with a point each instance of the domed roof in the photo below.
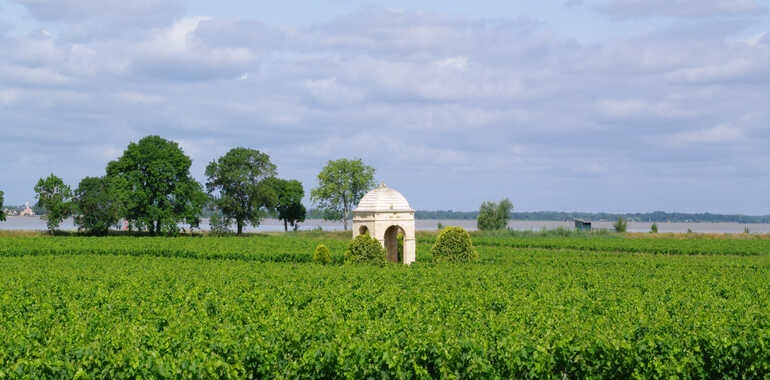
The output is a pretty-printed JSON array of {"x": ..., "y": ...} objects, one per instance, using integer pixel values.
[{"x": 383, "y": 198}]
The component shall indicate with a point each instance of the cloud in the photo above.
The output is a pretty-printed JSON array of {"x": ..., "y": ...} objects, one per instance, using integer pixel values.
[
  {"x": 574, "y": 3},
  {"x": 628, "y": 9},
  {"x": 719, "y": 134},
  {"x": 486, "y": 108},
  {"x": 88, "y": 20},
  {"x": 135, "y": 12}
]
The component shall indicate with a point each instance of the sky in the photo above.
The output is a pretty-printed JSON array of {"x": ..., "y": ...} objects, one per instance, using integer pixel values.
[{"x": 570, "y": 105}]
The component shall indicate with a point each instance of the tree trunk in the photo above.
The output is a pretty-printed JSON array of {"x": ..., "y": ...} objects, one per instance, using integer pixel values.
[
  {"x": 240, "y": 226},
  {"x": 345, "y": 222},
  {"x": 285, "y": 226}
]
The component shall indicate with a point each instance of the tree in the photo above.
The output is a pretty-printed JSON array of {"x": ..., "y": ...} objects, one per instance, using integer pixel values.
[
  {"x": 494, "y": 216},
  {"x": 56, "y": 197},
  {"x": 2, "y": 212},
  {"x": 620, "y": 225},
  {"x": 158, "y": 192},
  {"x": 289, "y": 206},
  {"x": 240, "y": 178},
  {"x": 342, "y": 183},
  {"x": 98, "y": 203}
]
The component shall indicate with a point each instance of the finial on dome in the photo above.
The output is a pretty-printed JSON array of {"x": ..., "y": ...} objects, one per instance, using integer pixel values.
[{"x": 382, "y": 185}]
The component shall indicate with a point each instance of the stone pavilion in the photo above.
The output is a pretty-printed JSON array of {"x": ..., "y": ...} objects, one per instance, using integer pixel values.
[{"x": 383, "y": 213}]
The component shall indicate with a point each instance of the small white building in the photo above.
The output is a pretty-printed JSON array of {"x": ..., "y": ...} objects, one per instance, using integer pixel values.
[
  {"x": 383, "y": 213},
  {"x": 27, "y": 211}
]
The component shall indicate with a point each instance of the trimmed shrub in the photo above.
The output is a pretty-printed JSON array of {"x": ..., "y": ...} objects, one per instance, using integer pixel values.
[
  {"x": 654, "y": 228},
  {"x": 453, "y": 245},
  {"x": 321, "y": 255},
  {"x": 365, "y": 250}
]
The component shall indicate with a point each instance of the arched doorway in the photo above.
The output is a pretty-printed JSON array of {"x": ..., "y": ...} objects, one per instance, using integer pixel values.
[
  {"x": 394, "y": 250},
  {"x": 363, "y": 230}
]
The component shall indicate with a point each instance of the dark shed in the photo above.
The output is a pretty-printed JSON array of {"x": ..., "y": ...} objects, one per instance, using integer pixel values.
[{"x": 582, "y": 225}]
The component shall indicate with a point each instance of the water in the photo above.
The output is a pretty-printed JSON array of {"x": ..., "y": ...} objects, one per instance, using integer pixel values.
[{"x": 271, "y": 225}]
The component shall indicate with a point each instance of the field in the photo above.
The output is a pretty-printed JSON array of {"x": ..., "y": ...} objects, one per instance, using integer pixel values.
[{"x": 533, "y": 307}]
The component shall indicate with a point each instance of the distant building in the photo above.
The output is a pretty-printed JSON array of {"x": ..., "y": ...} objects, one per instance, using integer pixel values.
[
  {"x": 27, "y": 211},
  {"x": 582, "y": 225}
]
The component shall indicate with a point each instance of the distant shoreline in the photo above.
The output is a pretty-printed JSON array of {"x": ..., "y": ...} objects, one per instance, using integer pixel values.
[
  {"x": 569, "y": 216},
  {"x": 565, "y": 216},
  {"x": 23, "y": 223}
]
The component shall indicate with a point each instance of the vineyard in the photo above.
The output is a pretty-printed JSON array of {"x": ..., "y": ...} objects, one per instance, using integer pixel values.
[{"x": 257, "y": 307}]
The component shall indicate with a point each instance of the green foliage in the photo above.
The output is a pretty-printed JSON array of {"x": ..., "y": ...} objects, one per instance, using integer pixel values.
[
  {"x": 613, "y": 243},
  {"x": 258, "y": 248},
  {"x": 158, "y": 192},
  {"x": 493, "y": 216},
  {"x": 2, "y": 213},
  {"x": 240, "y": 180},
  {"x": 533, "y": 314},
  {"x": 621, "y": 225},
  {"x": 219, "y": 225},
  {"x": 453, "y": 245},
  {"x": 56, "y": 197},
  {"x": 341, "y": 185},
  {"x": 289, "y": 201},
  {"x": 98, "y": 203},
  {"x": 654, "y": 228},
  {"x": 400, "y": 241},
  {"x": 365, "y": 249},
  {"x": 321, "y": 255}
]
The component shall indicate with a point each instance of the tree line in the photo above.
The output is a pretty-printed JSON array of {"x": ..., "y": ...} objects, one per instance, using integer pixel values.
[{"x": 150, "y": 188}]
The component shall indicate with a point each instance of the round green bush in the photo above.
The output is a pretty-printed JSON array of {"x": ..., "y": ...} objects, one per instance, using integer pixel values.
[
  {"x": 365, "y": 250},
  {"x": 453, "y": 245},
  {"x": 321, "y": 255}
]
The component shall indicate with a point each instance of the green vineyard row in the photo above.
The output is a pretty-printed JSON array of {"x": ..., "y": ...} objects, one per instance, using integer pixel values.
[
  {"x": 539, "y": 314},
  {"x": 300, "y": 249},
  {"x": 668, "y": 246}
]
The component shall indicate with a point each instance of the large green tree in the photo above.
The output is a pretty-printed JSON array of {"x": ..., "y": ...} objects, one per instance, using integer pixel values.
[
  {"x": 289, "y": 206},
  {"x": 158, "y": 192},
  {"x": 240, "y": 186},
  {"x": 56, "y": 198},
  {"x": 341, "y": 184},
  {"x": 2, "y": 212},
  {"x": 98, "y": 203},
  {"x": 494, "y": 216}
]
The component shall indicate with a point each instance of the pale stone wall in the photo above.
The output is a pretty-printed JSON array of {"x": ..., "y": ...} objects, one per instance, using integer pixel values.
[{"x": 378, "y": 219}]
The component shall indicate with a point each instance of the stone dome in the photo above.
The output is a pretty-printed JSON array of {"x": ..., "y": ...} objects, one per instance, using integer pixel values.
[{"x": 383, "y": 198}]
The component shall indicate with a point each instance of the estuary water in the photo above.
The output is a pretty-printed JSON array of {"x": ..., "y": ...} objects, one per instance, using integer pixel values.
[{"x": 272, "y": 225}]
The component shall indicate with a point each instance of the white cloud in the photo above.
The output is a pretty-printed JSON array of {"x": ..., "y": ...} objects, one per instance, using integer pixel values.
[
  {"x": 453, "y": 63},
  {"x": 737, "y": 69},
  {"x": 680, "y": 8},
  {"x": 720, "y": 134},
  {"x": 329, "y": 91},
  {"x": 441, "y": 102}
]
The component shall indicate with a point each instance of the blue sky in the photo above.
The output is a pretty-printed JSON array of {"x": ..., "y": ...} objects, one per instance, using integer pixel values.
[{"x": 608, "y": 105}]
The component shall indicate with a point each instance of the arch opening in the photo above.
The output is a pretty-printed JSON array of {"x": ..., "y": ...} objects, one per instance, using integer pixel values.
[
  {"x": 363, "y": 230},
  {"x": 394, "y": 244}
]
